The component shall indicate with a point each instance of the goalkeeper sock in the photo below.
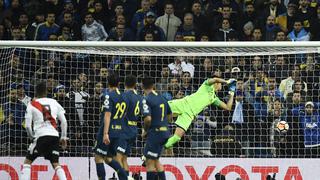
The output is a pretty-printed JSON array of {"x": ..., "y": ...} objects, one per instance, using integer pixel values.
[
  {"x": 151, "y": 175},
  {"x": 162, "y": 175},
  {"x": 26, "y": 172},
  {"x": 120, "y": 171},
  {"x": 171, "y": 141},
  {"x": 60, "y": 173},
  {"x": 101, "y": 171}
]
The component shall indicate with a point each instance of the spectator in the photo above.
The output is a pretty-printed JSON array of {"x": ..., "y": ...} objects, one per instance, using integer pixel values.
[
  {"x": 201, "y": 130},
  {"x": 298, "y": 86},
  {"x": 286, "y": 20},
  {"x": 281, "y": 36},
  {"x": 23, "y": 24},
  {"x": 75, "y": 28},
  {"x": 310, "y": 71},
  {"x": 12, "y": 13},
  {"x": 172, "y": 90},
  {"x": 163, "y": 81},
  {"x": 86, "y": 84},
  {"x": 200, "y": 21},
  {"x": 118, "y": 11},
  {"x": 22, "y": 96},
  {"x": 186, "y": 84},
  {"x": 66, "y": 34},
  {"x": 265, "y": 98},
  {"x": 310, "y": 123},
  {"x": 31, "y": 29},
  {"x": 278, "y": 139},
  {"x": 137, "y": 20},
  {"x": 100, "y": 14},
  {"x": 225, "y": 12},
  {"x": 188, "y": 30},
  {"x": 204, "y": 71},
  {"x": 79, "y": 99},
  {"x": 274, "y": 8},
  {"x": 250, "y": 16},
  {"x": 256, "y": 64},
  {"x": 279, "y": 67},
  {"x": 204, "y": 38},
  {"x": 307, "y": 14},
  {"x": 314, "y": 28},
  {"x": 240, "y": 117},
  {"x": 60, "y": 95},
  {"x": 257, "y": 34},
  {"x": 14, "y": 112},
  {"x": 149, "y": 26},
  {"x": 94, "y": 103},
  {"x": 121, "y": 33},
  {"x": 296, "y": 101},
  {"x": 180, "y": 65},
  {"x": 286, "y": 84},
  {"x": 3, "y": 34},
  {"x": 271, "y": 28},
  {"x": 247, "y": 32},
  {"x": 254, "y": 85},
  {"x": 149, "y": 36},
  {"x": 68, "y": 7},
  {"x": 298, "y": 33},
  {"x": 168, "y": 22},
  {"x": 16, "y": 33},
  {"x": 225, "y": 32},
  {"x": 103, "y": 76},
  {"x": 45, "y": 29},
  {"x": 92, "y": 30}
]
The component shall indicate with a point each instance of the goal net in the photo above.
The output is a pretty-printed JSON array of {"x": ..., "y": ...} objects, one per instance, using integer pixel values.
[{"x": 275, "y": 113}]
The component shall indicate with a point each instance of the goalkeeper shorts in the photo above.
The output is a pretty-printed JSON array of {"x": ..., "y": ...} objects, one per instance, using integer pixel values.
[{"x": 185, "y": 116}]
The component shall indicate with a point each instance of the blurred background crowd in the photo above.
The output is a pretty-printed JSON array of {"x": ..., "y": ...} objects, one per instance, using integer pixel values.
[{"x": 160, "y": 20}]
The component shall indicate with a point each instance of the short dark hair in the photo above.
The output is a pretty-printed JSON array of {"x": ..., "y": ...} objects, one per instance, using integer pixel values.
[
  {"x": 41, "y": 89},
  {"x": 130, "y": 81},
  {"x": 147, "y": 82},
  {"x": 113, "y": 80}
]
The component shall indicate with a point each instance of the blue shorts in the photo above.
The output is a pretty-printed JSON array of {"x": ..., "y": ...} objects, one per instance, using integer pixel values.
[
  {"x": 109, "y": 150},
  {"x": 154, "y": 144},
  {"x": 125, "y": 146}
]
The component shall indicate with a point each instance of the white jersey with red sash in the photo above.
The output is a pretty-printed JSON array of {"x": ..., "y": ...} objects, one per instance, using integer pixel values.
[{"x": 43, "y": 112}]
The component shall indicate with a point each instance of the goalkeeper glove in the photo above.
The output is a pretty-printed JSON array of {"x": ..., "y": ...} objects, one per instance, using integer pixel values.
[{"x": 230, "y": 81}]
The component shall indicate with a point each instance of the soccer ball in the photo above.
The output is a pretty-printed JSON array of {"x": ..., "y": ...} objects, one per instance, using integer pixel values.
[{"x": 282, "y": 126}]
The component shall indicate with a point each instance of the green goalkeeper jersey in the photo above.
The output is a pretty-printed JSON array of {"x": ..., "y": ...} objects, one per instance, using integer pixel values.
[{"x": 204, "y": 97}]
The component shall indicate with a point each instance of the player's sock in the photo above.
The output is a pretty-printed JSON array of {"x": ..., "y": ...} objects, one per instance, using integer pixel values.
[
  {"x": 162, "y": 175},
  {"x": 171, "y": 141},
  {"x": 101, "y": 171},
  {"x": 120, "y": 171},
  {"x": 26, "y": 171},
  {"x": 60, "y": 173},
  {"x": 151, "y": 175}
]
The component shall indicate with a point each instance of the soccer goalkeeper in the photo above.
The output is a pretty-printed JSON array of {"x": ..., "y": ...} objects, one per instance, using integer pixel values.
[{"x": 189, "y": 107}]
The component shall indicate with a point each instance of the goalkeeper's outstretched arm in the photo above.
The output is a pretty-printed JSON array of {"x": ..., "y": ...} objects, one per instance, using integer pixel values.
[
  {"x": 227, "y": 106},
  {"x": 232, "y": 87},
  {"x": 216, "y": 80}
]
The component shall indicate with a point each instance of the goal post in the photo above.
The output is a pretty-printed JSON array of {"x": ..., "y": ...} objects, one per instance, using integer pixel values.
[{"x": 276, "y": 80}]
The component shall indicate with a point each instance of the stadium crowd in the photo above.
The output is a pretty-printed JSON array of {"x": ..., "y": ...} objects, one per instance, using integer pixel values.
[
  {"x": 269, "y": 89},
  {"x": 160, "y": 20}
]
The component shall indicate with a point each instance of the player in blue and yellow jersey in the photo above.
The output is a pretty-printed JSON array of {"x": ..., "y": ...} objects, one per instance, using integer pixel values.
[
  {"x": 155, "y": 128},
  {"x": 113, "y": 111},
  {"x": 134, "y": 113}
]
